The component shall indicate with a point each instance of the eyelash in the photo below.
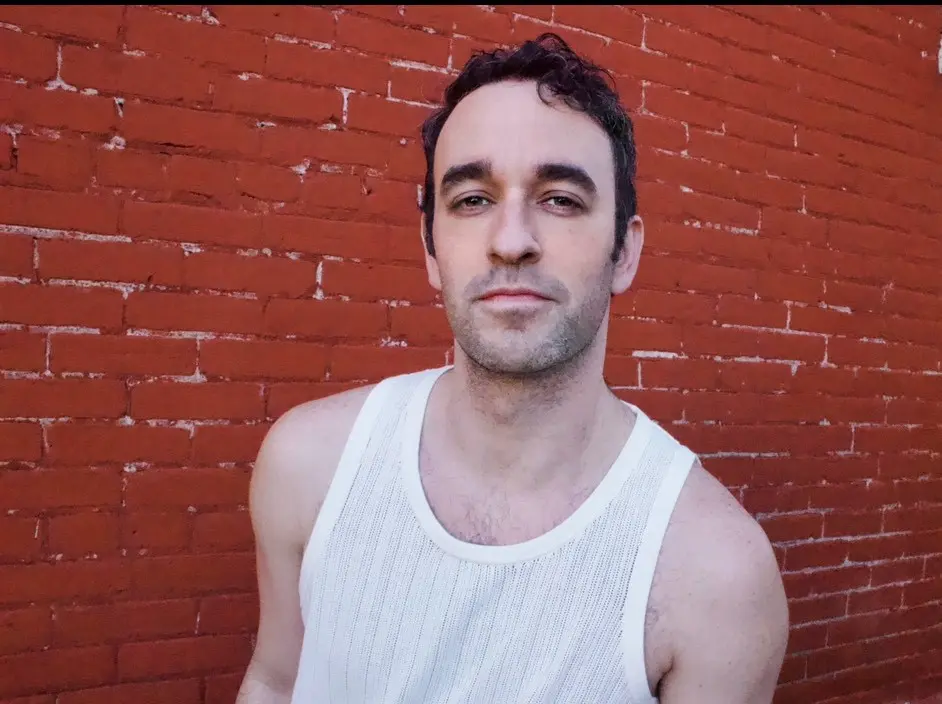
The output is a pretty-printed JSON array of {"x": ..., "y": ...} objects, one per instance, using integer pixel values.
[{"x": 571, "y": 203}]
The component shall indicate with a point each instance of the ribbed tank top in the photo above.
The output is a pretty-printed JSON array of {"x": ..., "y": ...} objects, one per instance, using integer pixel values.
[{"x": 396, "y": 609}]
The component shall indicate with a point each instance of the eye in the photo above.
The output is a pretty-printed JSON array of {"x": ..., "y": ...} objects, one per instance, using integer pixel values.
[
  {"x": 470, "y": 202},
  {"x": 563, "y": 203}
]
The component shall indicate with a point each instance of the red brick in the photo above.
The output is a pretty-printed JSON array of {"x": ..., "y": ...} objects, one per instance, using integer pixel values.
[
  {"x": 269, "y": 182},
  {"x": 187, "y": 223},
  {"x": 375, "y": 114},
  {"x": 72, "y": 668},
  {"x": 279, "y": 99},
  {"x": 663, "y": 406},
  {"x": 6, "y": 151},
  {"x": 96, "y": 23},
  {"x": 208, "y": 177},
  {"x": 479, "y": 22},
  {"x": 542, "y": 12},
  {"x": 289, "y": 145},
  {"x": 406, "y": 163},
  {"x": 64, "y": 163},
  {"x": 265, "y": 276},
  {"x": 327, "y": 67},
  {"x": 222, "y": 689},
  {"x": 283, "y": 397},
  {"x": 829, "y": 581},
  {"x": 227, "y": 443},
  {"x": 57, "y": 398},
  {"x": 621, "y": 371},
  {"x": 679, "y": 374},
  {"x": 164, "y": 78},
  {"x": 20, "y": 539},
  {"x": 132, "y": 168},
  {"x": 120, "y": 622},
  {"x": 120, "y": 355},
  {"x": 612, "y": 21},
  {"x": 237, "y": 359},
  {"x": 671, "y": 104},
  {"x": 169, "y": 692},
  {"x": 790, "y": 527},
  {"x": 913, "y": 519},
  {"x": 368, "y": 283},
  {"x": 209, "y": 400},
  {"x": 186, "y": 487},
  {"x": 60, "y": 305},
  {"x": 182, "y": 656},
  {"x": 110, "y": 261},
  {"x": 79, "y": 444},
  {"x": 22, "y": 351},
  {"x": 306, "y": 22},
  {"x": 765, "y": 377},
  {"x": 191, "y": 575},
  {"x": 330, "y": 190},
  {"x": 179, "y": 311},
  {"x": 69, "y": 211},
  {"x": 154, "y": 32},
  {"x": 418, "y": 85},
  {"x": 154, "y": 533},
  {"x": 80, "y": 534},
  {"x": 817, "y": 608},
  {"x": 149, "y": 123},
  {"x": 420, "y": 326},
  {"x": 588, "y": 45},
  {"x": 842, "y": 523},
  {"x": 215, "y": 532},
  {"x": 229, "y": 613},
  {"x": 875, "y": 600},
  {"x": 51, "y": 488},
  {"x": 627, "y": 335},
  {"x": 20, "y": 441},
  {"x": 46, "y": 581},
  {"x": 25, "y": 629},
  {"x": 374, "y": 363},
  {"x": 382, "y": 38},
  {"x": 326, "y": 319},
  {"x": 740, "y": 310}
]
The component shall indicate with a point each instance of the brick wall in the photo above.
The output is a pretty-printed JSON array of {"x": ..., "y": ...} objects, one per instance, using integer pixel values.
[{"x": 208, "y": 214}]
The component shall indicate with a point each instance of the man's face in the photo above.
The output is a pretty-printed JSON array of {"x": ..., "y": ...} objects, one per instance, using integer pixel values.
[{"x": 524, "y": 230}]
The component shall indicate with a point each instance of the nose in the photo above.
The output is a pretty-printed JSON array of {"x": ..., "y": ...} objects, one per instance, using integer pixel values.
[{"x": 513, "y": 239}]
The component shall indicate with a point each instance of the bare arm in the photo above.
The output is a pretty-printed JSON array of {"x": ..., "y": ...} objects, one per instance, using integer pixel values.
[
  {"x": 292, "y": 473},
  {"x": 731, "y": 627}
]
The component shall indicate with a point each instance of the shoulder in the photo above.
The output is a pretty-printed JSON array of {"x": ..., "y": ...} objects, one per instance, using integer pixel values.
[
  {"x": 298, "y": 458},
  {"x": 724, "y": 604}
]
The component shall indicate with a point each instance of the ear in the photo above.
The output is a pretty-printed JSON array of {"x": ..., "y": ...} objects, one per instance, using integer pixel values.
[
  {"x": 431, "y": 264},
  {"x": 626, "y": 265}
]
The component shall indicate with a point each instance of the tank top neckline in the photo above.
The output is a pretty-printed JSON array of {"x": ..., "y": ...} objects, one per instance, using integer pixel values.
[{"x": 569, "y": 529}]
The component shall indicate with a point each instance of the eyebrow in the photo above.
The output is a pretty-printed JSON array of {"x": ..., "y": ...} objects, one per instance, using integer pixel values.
[
  {"x": 471, "y": 171},
  {"x": 550, "y": 171}
]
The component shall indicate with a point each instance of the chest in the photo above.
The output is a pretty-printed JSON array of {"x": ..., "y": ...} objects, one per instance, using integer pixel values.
[{"x": 486, "y": 513}]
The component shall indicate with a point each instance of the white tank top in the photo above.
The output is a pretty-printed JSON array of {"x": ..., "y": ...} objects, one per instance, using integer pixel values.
[{"x": 396, "y": 609}]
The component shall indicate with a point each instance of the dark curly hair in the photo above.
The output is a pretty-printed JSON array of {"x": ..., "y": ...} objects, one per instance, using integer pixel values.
[{"x": 560, "y": 73}]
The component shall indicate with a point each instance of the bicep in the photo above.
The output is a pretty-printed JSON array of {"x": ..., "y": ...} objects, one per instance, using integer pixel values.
[
  {"x": 279, "y": 544},
  {"x": 731, "y": 628},
  {"x": 732, "y": 652}
]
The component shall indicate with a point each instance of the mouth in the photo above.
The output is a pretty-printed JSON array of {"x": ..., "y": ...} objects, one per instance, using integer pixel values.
[{"x": 514, "y": 295}]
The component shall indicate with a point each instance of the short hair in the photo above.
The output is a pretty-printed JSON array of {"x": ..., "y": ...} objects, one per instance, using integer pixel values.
[{"x": 561, "y": 74}]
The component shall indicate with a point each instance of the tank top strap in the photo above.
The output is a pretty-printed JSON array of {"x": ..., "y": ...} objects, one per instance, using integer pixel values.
[
  {"x": 382, "y": 407},
  {"x": 671, "y": 482}
]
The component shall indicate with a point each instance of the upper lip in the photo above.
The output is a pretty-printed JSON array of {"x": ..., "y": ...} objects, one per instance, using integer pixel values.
[{"x": 512, "y": 291}]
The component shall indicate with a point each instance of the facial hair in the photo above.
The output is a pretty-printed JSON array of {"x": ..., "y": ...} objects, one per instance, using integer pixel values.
[{"x": 527, "y": 344}]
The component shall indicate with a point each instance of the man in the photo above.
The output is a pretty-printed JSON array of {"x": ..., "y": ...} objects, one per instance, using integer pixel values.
[{"x": 506, "y": 529}]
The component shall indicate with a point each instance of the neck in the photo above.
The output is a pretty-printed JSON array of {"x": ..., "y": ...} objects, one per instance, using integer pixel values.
[{"x": 530, "y": 430}]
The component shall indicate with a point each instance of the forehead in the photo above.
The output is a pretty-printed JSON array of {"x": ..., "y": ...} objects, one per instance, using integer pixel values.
[{"x": 509, "y": 125}]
